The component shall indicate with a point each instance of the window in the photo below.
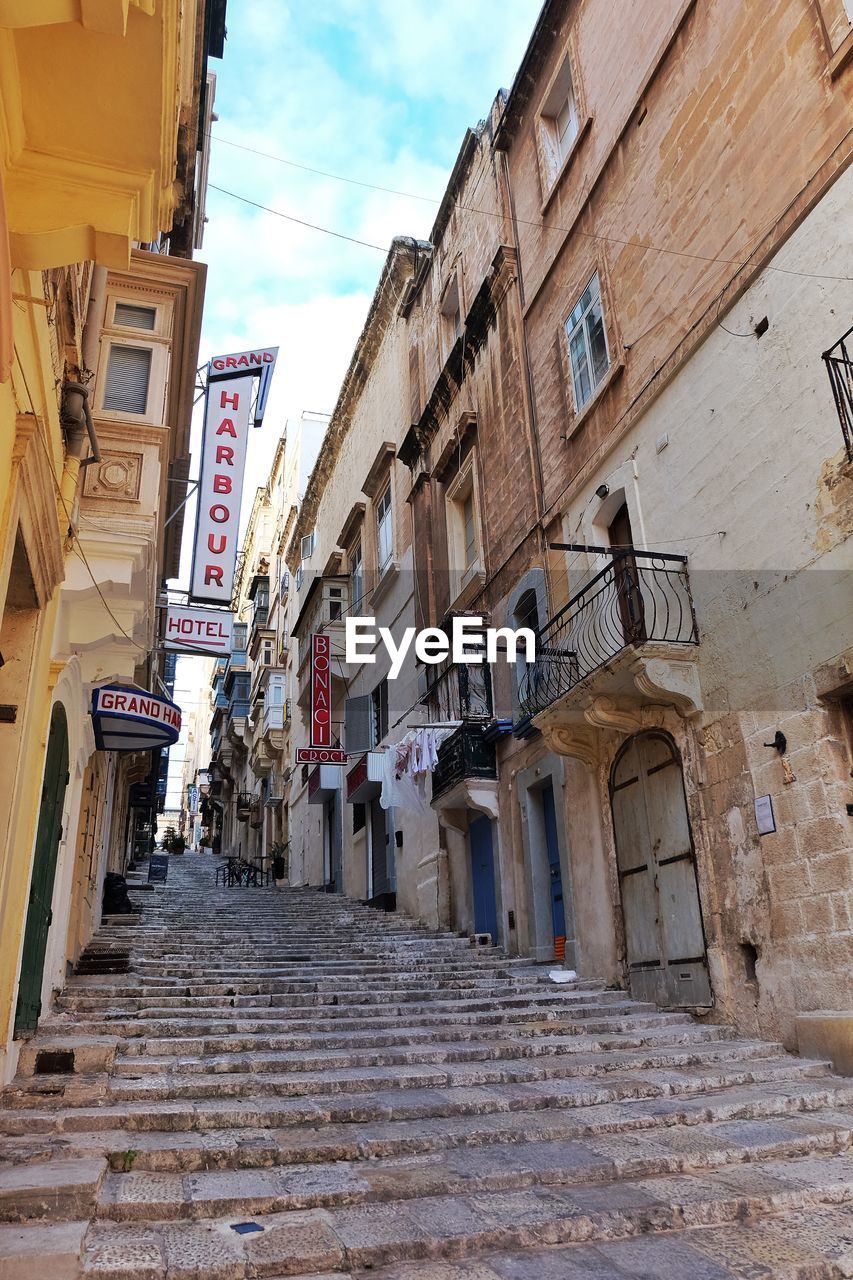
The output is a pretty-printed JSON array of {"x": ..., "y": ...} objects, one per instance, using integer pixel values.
[
  {"x": 469, "y": 526},
  {"x": 587, "y": 343},
  {"x": 384, "y": 536},
  {"x": 379, "y": 703},
  {"x": 300, "y": 575},
  {"x": 306, "y": 546},
  {"x": 356, "y": 577},
  {"x": 465, "y": 554},
  {"x": 128, "y": 376},
  {"x": 559, "y": 122},
  {"x": 267, "y": 654},
  {"x": 130, "y": 315},
  {"x": 334, "y": 601},
  {"x": 451, "y": 314}
]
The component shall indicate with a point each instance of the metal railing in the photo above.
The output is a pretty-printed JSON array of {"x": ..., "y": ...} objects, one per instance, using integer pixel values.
[
  {"x": 638, "y": 596},
  {"x": 839, "y": 366}
]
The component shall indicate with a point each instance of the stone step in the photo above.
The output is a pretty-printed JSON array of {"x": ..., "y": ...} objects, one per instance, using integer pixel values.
[
  {"x": 42, "y": 1251},
  {"x": 46, "y": 1114},
  {"x": 262, "y": 1040},
  {"x": 136, "y": 1196},
  {"x": 189, "y": 1152},
  {"x": 499, "y": 1047},
  {"x": 314, "y": 1242},
  {"x": 816, "y": 1244},
  {"x": 59, "y": 1189}
]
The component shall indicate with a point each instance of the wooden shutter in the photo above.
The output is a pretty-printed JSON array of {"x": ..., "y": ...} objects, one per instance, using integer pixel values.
[
  {"x": 358, "y": 724},
  {"x": 128, "y": 375}
]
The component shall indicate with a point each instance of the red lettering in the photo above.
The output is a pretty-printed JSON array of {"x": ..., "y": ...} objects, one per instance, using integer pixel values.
[
  {"x": 213, "y": 573},
  {"x": 221, "y": 484},
  {"x": 227, "y": 428},
  {"x": 230, "y": 362},
  {"x": 217, "y": 519},
  {"x": 224, "y": 453},
  {"x": 212, "y": 539},
  {"x": 225, "y": 399}
]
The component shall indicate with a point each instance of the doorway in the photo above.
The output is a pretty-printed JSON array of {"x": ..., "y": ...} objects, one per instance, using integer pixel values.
[
  {"x": 380, "y": 873},
  {"x": 664, "y": 936},
  {"x": 483, "y": 876},
  {"x": 39, "y": 911},
  {"x": 626, "y": 578},
  {"x": 555, "y": 875}
]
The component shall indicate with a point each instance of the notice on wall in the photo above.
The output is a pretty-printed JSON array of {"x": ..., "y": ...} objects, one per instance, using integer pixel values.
[
  {"x": 764, "y": 816},
  {"x": 223, "y": 461}
]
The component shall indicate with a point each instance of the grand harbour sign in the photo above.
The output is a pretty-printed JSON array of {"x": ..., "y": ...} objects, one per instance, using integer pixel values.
[
  {"x": 236, "y": 395},
  {"x": 126, "y": 718}
]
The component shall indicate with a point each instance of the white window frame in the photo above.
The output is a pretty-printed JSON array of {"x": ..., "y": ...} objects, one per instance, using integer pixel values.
[
  {"x": 464, "y": 485},
  {"x": 450, "y": 310},
  {"x": 578, "y": 325},
  {"x": 356, "y": 574},
  {"x": 156, "y": 340},
  {"x": 384, "y": 528},
  {"x": 556, "y": 140},
  {"x": 335, "y": 601}
]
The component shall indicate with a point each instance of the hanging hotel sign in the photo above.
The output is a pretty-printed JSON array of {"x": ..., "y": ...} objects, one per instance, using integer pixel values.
[
  {"x": 199, "y": 630},
  {"x": 125, "y": 718},
  {"x": 259, "y": 363},
  {"x": 321, "y": 690},
  {"x": 220, "y": 488}
]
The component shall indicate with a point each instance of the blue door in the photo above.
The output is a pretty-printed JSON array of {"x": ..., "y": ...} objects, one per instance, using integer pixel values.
[
  {"x": 558, "y": 914},
  {"x": 483, "y": 876}
]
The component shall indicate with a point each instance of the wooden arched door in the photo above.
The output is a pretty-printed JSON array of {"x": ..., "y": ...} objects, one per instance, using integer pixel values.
[
  {"x": 48, "y": 836},
  {"x": 664, "y": 937}
]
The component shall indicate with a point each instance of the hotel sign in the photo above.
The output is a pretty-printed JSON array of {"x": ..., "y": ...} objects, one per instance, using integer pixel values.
[
  {"x": 199, "y": 630},
  {"x": 220, "y": 489}
]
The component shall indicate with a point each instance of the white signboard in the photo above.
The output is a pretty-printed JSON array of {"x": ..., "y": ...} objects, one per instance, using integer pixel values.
[
  {"x": 198, "y": 630},
  {"x": 223, "y": 460}
]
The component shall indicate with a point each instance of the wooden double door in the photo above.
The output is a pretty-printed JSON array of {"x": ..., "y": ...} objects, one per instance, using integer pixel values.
[{"x": 664, "y": 935}]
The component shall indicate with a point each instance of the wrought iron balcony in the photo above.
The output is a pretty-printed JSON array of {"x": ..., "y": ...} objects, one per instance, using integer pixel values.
[
  {"x": 638, "y": 597},
  {"x": 245, "y": 800},
  {"x": 463, "y": 756},
  {"x": 839, "y": 366}
]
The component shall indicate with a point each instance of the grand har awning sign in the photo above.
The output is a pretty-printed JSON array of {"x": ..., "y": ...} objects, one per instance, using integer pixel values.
[
  {"x": 125, "y": 718},
  {"x": 260, "y": 362}
]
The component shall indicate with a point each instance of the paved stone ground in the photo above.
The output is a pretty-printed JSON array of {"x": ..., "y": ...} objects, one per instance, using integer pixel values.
[{"x": 386, "y": 1101}]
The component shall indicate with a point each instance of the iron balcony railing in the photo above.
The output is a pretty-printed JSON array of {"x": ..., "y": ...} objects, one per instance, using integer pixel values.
[
  {"x": 639, "y": 596},
  {"x": 839, "y": 366}
]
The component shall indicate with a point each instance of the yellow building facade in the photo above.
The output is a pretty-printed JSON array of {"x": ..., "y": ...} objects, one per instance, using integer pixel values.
[{"x": 99, "y": 109}]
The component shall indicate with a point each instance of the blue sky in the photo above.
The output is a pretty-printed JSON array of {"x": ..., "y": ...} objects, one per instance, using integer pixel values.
[{"x": 377, "y": 90}]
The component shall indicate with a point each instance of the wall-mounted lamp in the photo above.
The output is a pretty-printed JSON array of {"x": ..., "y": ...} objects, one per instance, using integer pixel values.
[{"x": 602, "y": 491}]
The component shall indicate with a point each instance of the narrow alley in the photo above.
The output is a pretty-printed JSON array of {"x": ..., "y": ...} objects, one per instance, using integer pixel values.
[{"x": 287, "y": 1082}]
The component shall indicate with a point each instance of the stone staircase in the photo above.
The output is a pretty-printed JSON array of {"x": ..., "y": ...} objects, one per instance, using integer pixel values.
[{"x": 361, "y": 1095}]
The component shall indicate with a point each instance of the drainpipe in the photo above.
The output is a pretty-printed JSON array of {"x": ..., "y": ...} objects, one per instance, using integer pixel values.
[{"x": 76, "y": 413}]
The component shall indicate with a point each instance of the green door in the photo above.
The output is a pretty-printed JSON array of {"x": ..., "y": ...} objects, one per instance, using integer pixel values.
[{"x": 44, "y": 870}]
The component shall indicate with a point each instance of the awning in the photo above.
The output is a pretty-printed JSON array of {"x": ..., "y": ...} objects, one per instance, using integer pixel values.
[
  {"x": 324, "y": 783},
  {"x": 126, "y": 718},
  {"x": 364, "y": 781}
]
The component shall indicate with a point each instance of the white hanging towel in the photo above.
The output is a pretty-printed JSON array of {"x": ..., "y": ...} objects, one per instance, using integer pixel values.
[{"x": 400, "y": 788}]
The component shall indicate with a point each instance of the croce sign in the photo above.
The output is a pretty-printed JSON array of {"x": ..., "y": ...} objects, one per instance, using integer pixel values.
[
  {"x": 321, "y": 690},
  {"x": 320, "y": 755},
  {"x": 260, "y": 363},
  {"x": 198, "y": 630},
  {"x": 223, "y": 460}
]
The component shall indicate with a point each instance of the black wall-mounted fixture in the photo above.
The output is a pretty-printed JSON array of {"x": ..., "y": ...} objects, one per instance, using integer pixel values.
[
  {"x": 602, "y": 491},
  {"x": 779, "y": 743}
]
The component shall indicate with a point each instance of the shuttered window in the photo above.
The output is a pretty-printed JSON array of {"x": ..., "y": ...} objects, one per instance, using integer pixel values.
[
  {"x": 128, "y": 375},
  {"x": 132, "y": 316},
  {"x": 359, "y": 724}
]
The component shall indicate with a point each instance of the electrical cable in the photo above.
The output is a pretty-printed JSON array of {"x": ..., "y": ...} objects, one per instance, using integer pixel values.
[
  {"x": 489, "y": 213},
  {"x": 288, "y": 217}
]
